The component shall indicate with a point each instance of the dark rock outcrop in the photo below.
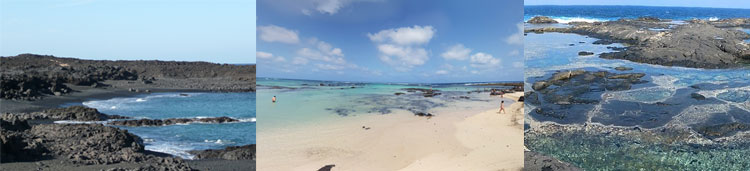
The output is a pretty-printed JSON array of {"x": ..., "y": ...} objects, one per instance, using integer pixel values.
[
  {"x": 79, "y": 113},
  {"x": 76, "y": 113},
  {"x": 79, "y": 144},
  {"x": 423, "y": 114},
  {"x": 30, "y": 87},
  {"x": 425, "y": 92},
  {"x": 31, "y": 77},
  {"x": 567, "y": 94},
  {"x": 246, "y": 152},
  {"x": 699, "y": 44},
  {"x": 541, "y": 20},
  {"x": 171, "y": 121},
  {"x": 584, "y": 53}
]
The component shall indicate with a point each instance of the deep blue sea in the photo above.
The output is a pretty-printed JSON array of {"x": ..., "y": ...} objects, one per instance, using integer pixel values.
[
  {"x": 566, "y": 14},
  {"x": 178, "y": 139}
]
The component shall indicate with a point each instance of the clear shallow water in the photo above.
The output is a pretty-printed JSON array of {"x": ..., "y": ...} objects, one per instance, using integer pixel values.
[
  {"x": 178, "y": 139},
  {"x": 566, "y": 14},
  {"x": 727, "y": 92},
  {"x": 303, "y": 102}
]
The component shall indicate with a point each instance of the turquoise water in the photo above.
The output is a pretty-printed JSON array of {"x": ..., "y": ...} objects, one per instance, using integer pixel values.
[
  {"x": 303, "y": 102},
  {"x": 178, "y": 139}
]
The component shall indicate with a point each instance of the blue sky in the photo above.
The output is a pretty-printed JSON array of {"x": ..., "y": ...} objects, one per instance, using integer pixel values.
[
  {"x": 215, "y": 31},
  {"x": 390, "y": 40},
  {"x": 674, "y": 3}
]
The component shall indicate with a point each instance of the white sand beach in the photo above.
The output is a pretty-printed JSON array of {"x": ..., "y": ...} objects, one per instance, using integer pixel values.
[{"x": 456, "y": 139}]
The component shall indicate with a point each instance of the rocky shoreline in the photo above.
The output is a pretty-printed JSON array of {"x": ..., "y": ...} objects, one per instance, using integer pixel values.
[
  {"x": 695, "y": 43},
  {"x": 33, "y": 77},
  {"x": 172, "y": 121},
  {"x": 26, "y": 139}
]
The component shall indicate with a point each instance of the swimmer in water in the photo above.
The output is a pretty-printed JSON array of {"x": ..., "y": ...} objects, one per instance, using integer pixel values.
[{"x": 273, "y": 99}]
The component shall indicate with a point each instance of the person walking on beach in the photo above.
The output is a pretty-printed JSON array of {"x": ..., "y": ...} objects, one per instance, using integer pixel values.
[
  {"x": 273, "y": 99},
  {"x": 502, "y": 108}
]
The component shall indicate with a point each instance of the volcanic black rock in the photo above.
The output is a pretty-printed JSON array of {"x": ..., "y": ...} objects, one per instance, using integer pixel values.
[{"x": 246, "y": 152}]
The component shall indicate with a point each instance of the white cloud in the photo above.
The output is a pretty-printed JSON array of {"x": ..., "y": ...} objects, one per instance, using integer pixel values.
[
  {"x": 263, "y": 55},
  {"x": 322, "y": 55},
  {"x": 268, "y": 57},
  {"x": 299, "y": 61},
  {"x": 329, "y": 6},
  {"x": 405, "y": 56},
  {"x": 514, "y": 53},
  {"x": 441, "y": 72},
  {"x": 273, "y": 33},
  {"x": 279, "y": 59},
  {"x": 415, "y": 35},
  {"x": 323, "y": 52},
  {"x": 518, "y": 64},
  {"x": 516, "y": 38},
  {"x": 447, "y": 66},
  {"x": 329, "y": 67},
  {"x": 457, "y": 52},
  {"x": 483, "y": 60},
  {"x": 403, "y": 47}
]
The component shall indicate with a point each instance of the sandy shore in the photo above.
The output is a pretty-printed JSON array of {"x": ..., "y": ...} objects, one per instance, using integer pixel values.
[{"x": 456, "y": 139}]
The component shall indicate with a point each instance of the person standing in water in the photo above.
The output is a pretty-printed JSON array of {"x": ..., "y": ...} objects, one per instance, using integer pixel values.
[
  {"x": 502, "y": 108},
  {"x": 273, "y": 99}
]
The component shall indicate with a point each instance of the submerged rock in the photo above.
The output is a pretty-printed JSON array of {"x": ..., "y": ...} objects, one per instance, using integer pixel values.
[
  {"x": 172, "y": 121},
  {"x": 697, "y": 96},
  {"x": 622, "y": 68},
  {"x": 537, "y": 161},
  {"x": 425, "y": 92},
  {"x": 722, "y": 130},
  {"x": 585, "y": 53}
]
